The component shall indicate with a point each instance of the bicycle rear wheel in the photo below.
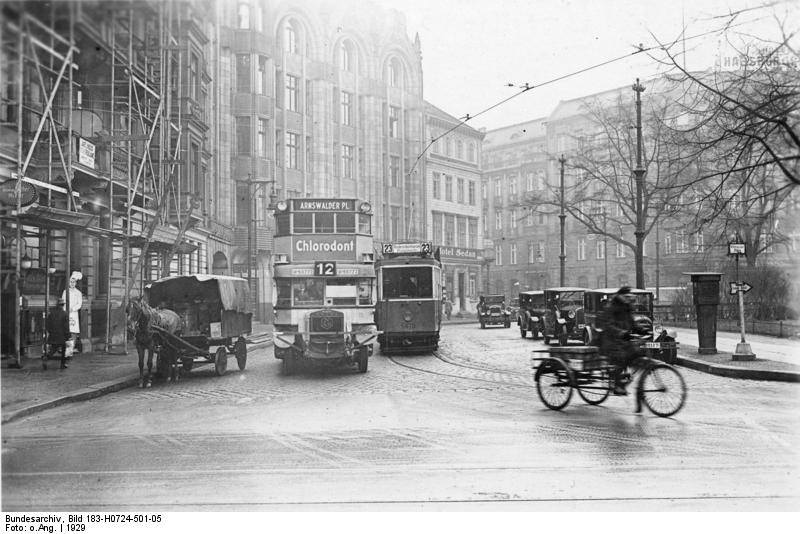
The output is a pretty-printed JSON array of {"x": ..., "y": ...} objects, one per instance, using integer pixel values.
[
  {"x": 662, "y": 389},
  {"x": 554, "y": 384},
  {"x": 594, "y": 386}
]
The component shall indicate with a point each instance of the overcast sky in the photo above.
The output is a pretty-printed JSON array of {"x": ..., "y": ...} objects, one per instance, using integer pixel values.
[{"x": 472, "y": 48}]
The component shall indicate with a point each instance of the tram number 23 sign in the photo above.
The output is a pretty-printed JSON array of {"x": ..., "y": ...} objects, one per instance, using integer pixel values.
[{"x": 325, "y": 268}]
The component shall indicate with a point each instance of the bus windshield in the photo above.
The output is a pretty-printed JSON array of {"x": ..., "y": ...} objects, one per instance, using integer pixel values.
[
  {"x": 410, "y": 283},
  {"x": 313, "y": 292}
]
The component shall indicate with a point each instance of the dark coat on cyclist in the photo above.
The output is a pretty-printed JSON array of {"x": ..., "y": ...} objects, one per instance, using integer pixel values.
[{"x": 617, "y": 327}]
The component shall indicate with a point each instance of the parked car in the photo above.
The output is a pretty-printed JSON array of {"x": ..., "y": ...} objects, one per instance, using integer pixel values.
[
  {"x": 530, "y": 317},
  {"x": 563, "y": 319},
  {"x": 658, "y": 342},
  {"x": 492, "y": 310}
]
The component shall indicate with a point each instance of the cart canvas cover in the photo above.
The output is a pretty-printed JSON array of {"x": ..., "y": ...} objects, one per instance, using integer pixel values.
[{"x": 230, "y": 291}]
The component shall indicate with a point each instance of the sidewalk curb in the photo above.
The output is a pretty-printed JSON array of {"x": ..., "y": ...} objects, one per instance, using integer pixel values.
[
  {"x": 89, "y": 392},
  {"x": 730, "y": 371}
]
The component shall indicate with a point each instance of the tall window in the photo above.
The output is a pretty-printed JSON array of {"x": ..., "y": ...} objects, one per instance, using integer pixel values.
[
  {"x": 512, "y": 260},
  {"x": 540, "y": 252},
  {"x": 498, "y": 220},
  {"x": 448, "y": 187},
  {"x": 460, "y": 190},
  {"x": 600, "y": 249},
  {"x": 292, "y": 142},
  {"x": 194, "y": 81},
  {"x": 459, "y": 149},
  {"x": 698, "y": 242},
  {"x": 680, "y": 242},
  {"x": 394, "y": 170},
  {"x": 261, "y": 139},
  {"x": 473, "y": 233},
  {"x": 620, "y": 250},
  {"x": 449, "y": 230},
  {"x": 437, "y": 185},
  {"x": 347, "y": 108},
  {"x": 437, "y": 227},
  {"x": 261, "y": 76},
  {"x": 471, "y": 152},
  {"x": 346, "y": 57},
  {"x": 292, "y": 93},
  {"x": 471, "y": 193},
  {"x": 243, "y": 73},
  {"x": 498, "y": 255},
  {"x": 668, "y": 244},
  {"x": 289, "y": 38},
  {"x": 512, "y": 186},
  {"x": 347, "y": 161},
  {"x": 394, "y": 122},
  {"x": 581, "y": 249},
  {"x": 243, "y": 16},
  {"x": 498, "y": 187},
  {"x": 531, "y": 252},
  {"x": 513, "y": 218},
  {"x": 243, "y": 145},
  {"x": 461, "y": 223},
  {"x": 484, "y": 190}
]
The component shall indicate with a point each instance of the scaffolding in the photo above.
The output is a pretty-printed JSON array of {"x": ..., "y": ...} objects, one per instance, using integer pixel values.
[{"x": 89, "y": 124}]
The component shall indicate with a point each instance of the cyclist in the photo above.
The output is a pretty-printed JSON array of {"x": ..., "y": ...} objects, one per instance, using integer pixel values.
[{"x": 618, "y": 328}]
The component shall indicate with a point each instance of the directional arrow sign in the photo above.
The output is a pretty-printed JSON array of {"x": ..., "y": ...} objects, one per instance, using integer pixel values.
[{"x": 744, "y": 287}]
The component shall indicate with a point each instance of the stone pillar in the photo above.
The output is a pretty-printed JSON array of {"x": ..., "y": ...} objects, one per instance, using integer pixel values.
[{"x": 706, "y": 299}]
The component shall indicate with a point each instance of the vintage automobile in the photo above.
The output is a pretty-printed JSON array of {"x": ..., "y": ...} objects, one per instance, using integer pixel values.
[
  {"x": 530, "y": 316},
  {"x": 563, "y": 318},
  {"x": 492, "y": 310},
  {"x": 657, "y": 342}
]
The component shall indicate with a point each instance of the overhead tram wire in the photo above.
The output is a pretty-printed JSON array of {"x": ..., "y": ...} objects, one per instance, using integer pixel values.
[{"x": 527, "y": 87}]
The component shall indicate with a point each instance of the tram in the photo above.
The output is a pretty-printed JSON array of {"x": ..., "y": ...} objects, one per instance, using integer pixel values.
[
  {"x": 324, "y": 290},
  {"x": 408, "y": 312}
]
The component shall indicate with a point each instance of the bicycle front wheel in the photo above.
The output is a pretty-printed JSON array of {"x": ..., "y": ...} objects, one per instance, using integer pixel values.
[
  {"x": 662, "y": 389},
  {"x": 554, "y": 384}
]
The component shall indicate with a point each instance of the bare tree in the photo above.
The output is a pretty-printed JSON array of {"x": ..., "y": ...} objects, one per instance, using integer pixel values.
[{"x": 601, "y": 193}]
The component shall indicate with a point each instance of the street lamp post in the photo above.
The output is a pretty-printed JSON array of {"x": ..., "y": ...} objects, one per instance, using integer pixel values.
[
  {"x": 639, "y": 173},
  {"x": 563, "y": 256},
  {"x": 253, "y": 186}
]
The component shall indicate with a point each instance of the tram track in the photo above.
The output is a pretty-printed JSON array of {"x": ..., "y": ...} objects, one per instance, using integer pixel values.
[{"x": 514, "y": 378}]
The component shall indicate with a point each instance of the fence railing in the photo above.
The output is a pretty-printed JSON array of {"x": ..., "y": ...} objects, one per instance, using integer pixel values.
[{"x": 727, "y": 321}]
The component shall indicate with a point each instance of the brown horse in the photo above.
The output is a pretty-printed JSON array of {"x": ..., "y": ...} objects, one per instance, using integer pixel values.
[{"x": 141, "y": 319}]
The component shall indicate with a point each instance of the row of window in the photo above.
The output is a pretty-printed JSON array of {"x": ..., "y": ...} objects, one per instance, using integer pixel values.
[
  {"x": 454, "y": 230},
  {"x": 533, "y": 182},
  {"x": 464, "y": 189},
  {"x": 536, "y": 250},
  {"x": 456, "y": 151}
]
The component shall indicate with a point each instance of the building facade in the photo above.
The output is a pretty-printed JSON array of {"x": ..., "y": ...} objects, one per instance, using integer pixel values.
[{"x": 452, "y": 205}]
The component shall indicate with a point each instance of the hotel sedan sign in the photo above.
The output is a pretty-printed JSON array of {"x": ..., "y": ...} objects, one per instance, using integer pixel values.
[{"x": 458, "y": 253}]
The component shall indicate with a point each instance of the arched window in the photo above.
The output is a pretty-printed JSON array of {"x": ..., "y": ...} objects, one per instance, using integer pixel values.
[
  {"x": 471, "y": 152},
  {"x": 346, "y": 56},
  {"x": 395, "y": 73},
  {"x": 243, "y": 15},
  {"x": 290, "y": 38}
]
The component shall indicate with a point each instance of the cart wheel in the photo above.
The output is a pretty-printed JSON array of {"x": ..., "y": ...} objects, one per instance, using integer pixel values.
[
  {"x": 187, "y": 364},
  {"x": 662, "y": 389},
  {"x": 240, "y": 349},
  {"x": 594, "y": 386},
  {"x": 554, "y": 384},
  {"x": 220, "y": 361}
]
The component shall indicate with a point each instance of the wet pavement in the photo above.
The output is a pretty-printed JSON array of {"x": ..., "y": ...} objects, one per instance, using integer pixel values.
[{"x": 32, "y": 388}]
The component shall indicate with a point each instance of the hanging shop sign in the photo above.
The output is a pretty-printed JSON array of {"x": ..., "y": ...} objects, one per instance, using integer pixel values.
[{"x": 8, "y": 193}]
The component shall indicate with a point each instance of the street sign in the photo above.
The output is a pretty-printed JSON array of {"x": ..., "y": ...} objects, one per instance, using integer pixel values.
[
  {"x": 736, "y": 249},
  {"x": 744, "y": 287}
]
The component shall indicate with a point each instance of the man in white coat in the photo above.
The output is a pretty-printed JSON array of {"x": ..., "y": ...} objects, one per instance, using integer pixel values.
[{"x": 75, "y": 303}]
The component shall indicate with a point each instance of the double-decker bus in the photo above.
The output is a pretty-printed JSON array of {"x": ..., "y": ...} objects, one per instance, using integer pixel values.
[
  {"x": 409, "y": 308},
  {"x": 324, "y": 290}
]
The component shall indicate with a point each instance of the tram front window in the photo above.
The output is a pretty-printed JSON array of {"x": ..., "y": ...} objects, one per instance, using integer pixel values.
[
  {"x": 408, "y": 283},
  {"x": 308, "y": 291}
]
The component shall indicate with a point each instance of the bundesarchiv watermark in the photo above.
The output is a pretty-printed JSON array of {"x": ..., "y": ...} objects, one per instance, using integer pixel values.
[{"x": 765, "y": 58}]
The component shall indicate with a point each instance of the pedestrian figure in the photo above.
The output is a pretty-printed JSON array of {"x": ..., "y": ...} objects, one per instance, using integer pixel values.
[
  {"x": 448, "y": 308},
  {"x": 75, "y": 304},
  {"x": 57, "y": 333}
]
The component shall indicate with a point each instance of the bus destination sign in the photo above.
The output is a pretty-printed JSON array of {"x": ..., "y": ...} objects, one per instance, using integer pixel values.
[{"x": 322, "y": 204}]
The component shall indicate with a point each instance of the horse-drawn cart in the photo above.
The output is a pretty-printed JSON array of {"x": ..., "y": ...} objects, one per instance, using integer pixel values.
[{"x": 213, "y": 313}]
